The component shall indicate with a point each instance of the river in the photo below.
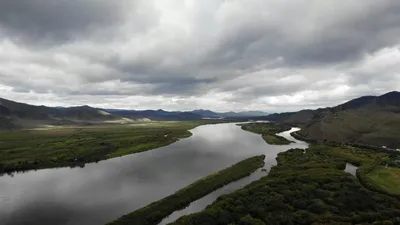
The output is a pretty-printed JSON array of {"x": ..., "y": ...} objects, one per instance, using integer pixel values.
[{"x": 101, "y": 192}]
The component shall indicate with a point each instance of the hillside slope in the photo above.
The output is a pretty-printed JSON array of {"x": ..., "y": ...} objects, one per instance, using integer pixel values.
[
  {"x": 366, "y": 120},
  {"x": 356, "y": 126}
]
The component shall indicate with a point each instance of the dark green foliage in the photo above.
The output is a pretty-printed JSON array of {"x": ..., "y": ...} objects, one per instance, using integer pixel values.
[
  {"x": 268, "y": 132},
  {"x": 305, "y": 188},
  {"x": 155, "y": 212}
]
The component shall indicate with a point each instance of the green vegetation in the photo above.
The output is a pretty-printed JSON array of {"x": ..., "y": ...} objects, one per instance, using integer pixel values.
[
  {"x": 306, "y": 187},
  {"x": 377, "y": 128},
  {"x": 371, "y": 173},
  {"x": 268, "y": 132},
  {"x": 368, "y": 120},
  {"x": 155, "y": 212},
  {"x": 386, "y": 178},
  {"x": 74, "y": 146}
]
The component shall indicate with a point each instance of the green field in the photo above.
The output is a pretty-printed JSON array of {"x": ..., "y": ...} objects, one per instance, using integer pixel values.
[
  {"x": 304, "y": 188},
  {"x": 74, "y": 146},
  {"x": 386, "y": 178},
  {"x": 372, "y": 172},
  {"x": 155, "y": 212},
  {"x": 268, "y": 132}
]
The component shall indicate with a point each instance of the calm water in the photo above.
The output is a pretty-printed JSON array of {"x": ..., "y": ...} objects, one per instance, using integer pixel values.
[
  {"x": 202, "y": 203},
  {"x": 350, "y": 168},
  {"x": 102, "y": 192}
]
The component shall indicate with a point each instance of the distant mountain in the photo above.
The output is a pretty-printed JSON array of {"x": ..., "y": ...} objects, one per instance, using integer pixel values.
[
  {"x": 179, "y": 115},
  {"x": 372, "y": 120},
  {"x": 206, "y": 113},
  {"x": 244, "y": 114},
  {"x": 15, "y": 114},
  {"x": 154, "y": 114},
  {"x": 211, "y": 114},
  {"x": 296, "y": 118}
]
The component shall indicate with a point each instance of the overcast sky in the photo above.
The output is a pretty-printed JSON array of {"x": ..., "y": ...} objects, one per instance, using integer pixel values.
[{"x": 271, "y": 55}]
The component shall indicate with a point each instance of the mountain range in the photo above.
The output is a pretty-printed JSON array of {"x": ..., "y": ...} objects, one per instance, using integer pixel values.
[
  {"x": 371, "y": 120},
  {"x": 17, "y": 115}
]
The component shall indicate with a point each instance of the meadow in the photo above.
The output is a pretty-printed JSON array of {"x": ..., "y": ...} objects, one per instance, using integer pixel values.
[
  {"x": 388, "y": 179},
  {"x": 22, "y": 150}
]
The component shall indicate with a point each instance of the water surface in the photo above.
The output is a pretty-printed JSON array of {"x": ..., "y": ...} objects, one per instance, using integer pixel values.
[
  {"x": 101, "y": 192},
  {"x": 350, "y": 168},
  {"x": 202, "y": 203}
]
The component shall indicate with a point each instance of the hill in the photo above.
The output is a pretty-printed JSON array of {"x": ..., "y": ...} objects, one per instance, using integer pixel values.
[
  {"x": 15, "y": 114},
  {"x": 371, "y": 120},
  {"x": 20, "y": 115}
]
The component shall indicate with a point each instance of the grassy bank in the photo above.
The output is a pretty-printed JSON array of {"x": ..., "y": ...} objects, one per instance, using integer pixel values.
[
  {"x": 74, "y": 146},
  {"x": 268, "y": 132},
  {"x": 371, "y": 172},
  {"x": 155, "y": 212},
  {"x": 304, "y": 188},
  {"x": 386, "y": 178}
]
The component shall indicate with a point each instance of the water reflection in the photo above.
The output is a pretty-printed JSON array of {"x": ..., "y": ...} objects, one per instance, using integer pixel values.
[
  {"x": 270, "y": 160},
  {"x": 103, "y": 191}
]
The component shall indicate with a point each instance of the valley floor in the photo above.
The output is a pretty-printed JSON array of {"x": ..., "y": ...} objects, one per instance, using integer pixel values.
[{"x": 306, "y": 187}]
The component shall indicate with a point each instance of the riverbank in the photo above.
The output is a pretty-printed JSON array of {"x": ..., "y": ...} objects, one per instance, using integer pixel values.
[
  {"x": 23, "y": 150},
  {"x": 268, "y": 132},
  {"x": 155, "y": 212},
  {"x": 378, "y": 166},
  {"x": 305, "y": 187}
]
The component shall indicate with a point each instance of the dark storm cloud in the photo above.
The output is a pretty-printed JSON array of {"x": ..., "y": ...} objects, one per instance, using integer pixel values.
[
  {"x": 335, "y": 38},
  {"x": 348, "y": 40},
  {"x": 221, "y": 53},
  {"x": 50, "y": 22}
]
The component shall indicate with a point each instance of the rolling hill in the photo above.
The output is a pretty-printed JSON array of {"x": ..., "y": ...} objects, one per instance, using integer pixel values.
[
  {"x": 371, "y": 120},
  {"x": 14, "y": 115}
]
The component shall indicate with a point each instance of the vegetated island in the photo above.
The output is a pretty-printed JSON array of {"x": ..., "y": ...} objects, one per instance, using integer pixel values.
[
  {"x": 268, "y": 132},
  {"x": 309, "y": 187},
  {"x": 22, "y": 150},
  {"x": 155, "y": 212}
]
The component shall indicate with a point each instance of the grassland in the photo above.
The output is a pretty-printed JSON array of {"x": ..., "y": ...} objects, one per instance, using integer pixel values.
[
  {"x": 386, "y": 178},
  {"x": 155, "y": 212},
  {"x": 304, "y": 188},
  {"x": 268, "y": 132},
  {"x": 372, "y": 173},
  {"x": 376, "y": 128},
  {"x": 74, "y": 146}
]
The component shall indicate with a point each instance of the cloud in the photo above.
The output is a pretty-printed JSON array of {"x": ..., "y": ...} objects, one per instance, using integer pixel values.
[{"x": 224, "y": 55}]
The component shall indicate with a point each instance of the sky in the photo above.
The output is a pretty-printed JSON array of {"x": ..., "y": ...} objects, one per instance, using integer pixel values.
[{"x": 223, "y": 55}]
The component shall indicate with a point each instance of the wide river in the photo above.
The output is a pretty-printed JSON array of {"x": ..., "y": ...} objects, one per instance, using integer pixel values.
[{"x": 101, "y": 192}]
